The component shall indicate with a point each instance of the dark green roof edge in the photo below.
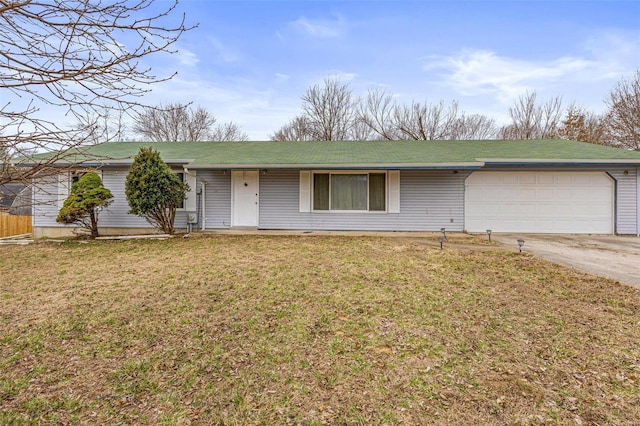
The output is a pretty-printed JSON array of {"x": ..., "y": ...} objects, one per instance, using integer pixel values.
[{"x": 357, "y": 154}]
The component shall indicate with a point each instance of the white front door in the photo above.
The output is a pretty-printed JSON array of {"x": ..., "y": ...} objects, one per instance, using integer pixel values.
[{"x": 245, "y": 197}]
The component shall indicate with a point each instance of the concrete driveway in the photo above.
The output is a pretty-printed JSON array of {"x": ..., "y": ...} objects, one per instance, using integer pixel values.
[{"x": 616, "y": 257}]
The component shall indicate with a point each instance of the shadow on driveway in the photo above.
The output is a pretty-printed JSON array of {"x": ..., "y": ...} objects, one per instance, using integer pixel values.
[{"x": 610, "y": 256}]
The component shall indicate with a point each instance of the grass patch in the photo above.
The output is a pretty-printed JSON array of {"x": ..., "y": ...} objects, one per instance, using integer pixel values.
[{"x": 310, "y": 330}]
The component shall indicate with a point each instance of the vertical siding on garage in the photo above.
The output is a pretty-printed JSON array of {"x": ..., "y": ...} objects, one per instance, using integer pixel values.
[
  {"x": 626, "y": 201},
  {"x": 217, "y": 198},
  {"x": 429, "y": 200}
]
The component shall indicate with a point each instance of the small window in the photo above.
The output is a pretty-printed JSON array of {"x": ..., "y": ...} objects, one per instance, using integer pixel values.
[
  {"x": 181, "y": 176},
  {"x": 349, "y": 191},
  {"x": 75, "y": 176}
]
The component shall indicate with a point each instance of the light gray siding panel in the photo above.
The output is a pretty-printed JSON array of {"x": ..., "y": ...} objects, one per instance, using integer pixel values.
[
  {"x": 116, "y": 214},
  {"x": 429, "y": 200},
  {"x": 45, "y": 202},
  {"x": 217, "y": 198},
  {"x": 626, "y": 201}
]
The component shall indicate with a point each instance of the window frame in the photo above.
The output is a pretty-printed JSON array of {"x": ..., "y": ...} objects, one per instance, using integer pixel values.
[
  {"x": 67, "y": 178},
  {"x": 350, "y": 172},
  {"x": 189, "y": 203}
]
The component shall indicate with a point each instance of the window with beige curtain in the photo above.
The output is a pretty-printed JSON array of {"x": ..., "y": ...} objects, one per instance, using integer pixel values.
[{"x": 349, "y": 191}]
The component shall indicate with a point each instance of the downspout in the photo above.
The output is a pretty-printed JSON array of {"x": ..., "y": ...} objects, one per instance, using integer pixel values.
[{"x": 203, "y": 186}]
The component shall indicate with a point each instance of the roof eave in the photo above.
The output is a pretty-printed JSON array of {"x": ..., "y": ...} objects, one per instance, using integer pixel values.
[
  {"x": 350, "y": 166},
  {"x": 106, "y": 162},
  {"x": 556, "y": 162}
]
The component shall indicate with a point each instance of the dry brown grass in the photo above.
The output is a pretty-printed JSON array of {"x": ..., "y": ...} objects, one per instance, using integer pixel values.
[{"x": 310, "y": 330}]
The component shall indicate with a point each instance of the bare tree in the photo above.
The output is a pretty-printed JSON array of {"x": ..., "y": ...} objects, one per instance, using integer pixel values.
[
  {"x": 584, "y": 126},
  {"x": 377, "y": 112},
  {"x": 228, "y": 132},
  {"x": 72, "y": 57},
  {"x": 332, "y": 112},
  {"x": 330, "y": 109},
  {"x": 298, "y": 129},
  {"x": 623, "y": 116},
  {"x": 176, "y": 122},
  {"x": 530, "y": 120},
  {"x": 473, "y": 127},
  {"x": 424, "y": 121},
  {"x": 102, "y": 123}
]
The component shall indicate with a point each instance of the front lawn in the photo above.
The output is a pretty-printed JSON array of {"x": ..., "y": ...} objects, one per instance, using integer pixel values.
[{"x": 310, "y": 330}]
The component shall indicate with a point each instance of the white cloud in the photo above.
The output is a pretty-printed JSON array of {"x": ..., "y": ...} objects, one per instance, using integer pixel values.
[
  {"x": 187, "y": 57},
  {"x": 221, "y": 52},
  {"x": 617, "y": 52},
  {"x": 322, "y": 28},
  {"x": 603, "y": 59},
  {"x": 478, "y": 72}
]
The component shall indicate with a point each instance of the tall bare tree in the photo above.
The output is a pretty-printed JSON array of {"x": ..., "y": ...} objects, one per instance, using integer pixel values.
[
  {"x": 72, "y": 57},
  {"x": 623, "y": 116},
  {"x": 330, "y": 109},
  {"x": 531, "y": 120},
  {"x": 177, "y": 122},
  {"x": 377, "y": 112}
]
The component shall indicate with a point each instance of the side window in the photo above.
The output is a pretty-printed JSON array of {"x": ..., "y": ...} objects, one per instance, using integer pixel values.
[
  {"x": 65, "y": 180},
  {"x": 181, "y": 176}
]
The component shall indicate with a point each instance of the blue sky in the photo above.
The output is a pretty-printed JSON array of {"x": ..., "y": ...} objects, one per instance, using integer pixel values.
[{"x": 250, "y": 61}]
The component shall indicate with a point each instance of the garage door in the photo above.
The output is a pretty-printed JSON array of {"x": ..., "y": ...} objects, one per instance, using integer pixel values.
[{"x": 544, "y": 202}]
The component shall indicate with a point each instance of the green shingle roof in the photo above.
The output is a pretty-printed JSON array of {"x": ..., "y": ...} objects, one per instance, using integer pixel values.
[{"x": 343, "y": 154}]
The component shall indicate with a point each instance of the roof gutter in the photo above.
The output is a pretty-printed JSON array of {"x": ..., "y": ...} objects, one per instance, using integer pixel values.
[
  {"x": 107, "y": 162},
  {"x": 557, "y": 162},
  {"x": 351, "y": 166}
]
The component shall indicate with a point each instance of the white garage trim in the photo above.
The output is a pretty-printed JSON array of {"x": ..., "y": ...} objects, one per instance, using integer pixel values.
[{"x": 540, "y": 202}]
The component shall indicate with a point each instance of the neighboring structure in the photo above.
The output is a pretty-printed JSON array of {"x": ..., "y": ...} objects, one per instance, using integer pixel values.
[
  {"x": 15, "y": 198},
  {"x": 550, "y": 186}
]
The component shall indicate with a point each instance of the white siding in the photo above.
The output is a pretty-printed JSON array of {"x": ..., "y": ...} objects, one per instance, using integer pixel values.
[{"x": 429, "y": 200}]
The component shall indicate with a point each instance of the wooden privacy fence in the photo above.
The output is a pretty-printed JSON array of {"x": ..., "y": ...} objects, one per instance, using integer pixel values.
[{"x": 14, "y": 225}]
